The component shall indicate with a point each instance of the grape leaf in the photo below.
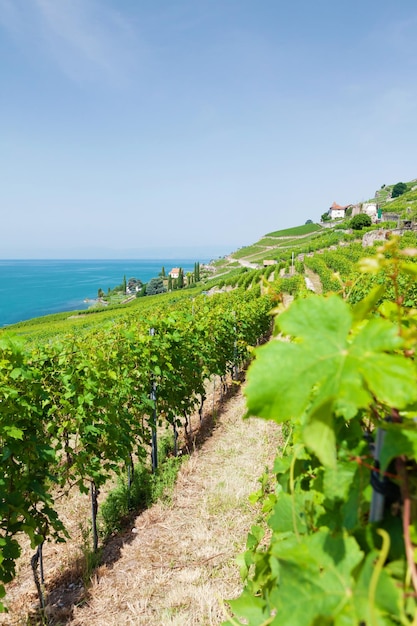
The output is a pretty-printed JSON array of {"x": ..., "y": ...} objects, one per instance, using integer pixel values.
[
  {"x": 327, "y": 365},
  {"x": 398, "y": 442},
  {"x": 319, "y": 435},
  {"x": 386, "y": 602},
  {"x": 254, "y": 609},
  {"x": 316, "y": 577},
  {"x": 289, "y": 512}
]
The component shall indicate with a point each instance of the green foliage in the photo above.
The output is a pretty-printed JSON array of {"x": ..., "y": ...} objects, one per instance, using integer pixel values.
[
  {"x": 362, "y": 220},
  {"x": 398, "y": 190},
  {"x": 28, "y": 460},
  {"x": 269, "y": 241},
  {"x": 297, "y": 230},
  {"x": 163, "y": 480},
  {"x": 197, "y": 272},
  {"x": 340, "y": 262},
  {"x": 180, "y": 279},
  {"x": 144, "y": 489},
  {"x": 248, "y": 251},
  {"x": 292, "y": 285},
  {"x": 299, "y": 267},
  {"x": 123, "y": 500},
  {"x": 330, "y": 363},
  {"x": 335, "y": 374},
  {"x": 404, "y": 205},
  {"x": 73, "y": 411},
  {"x": 329, "y": 280},
  {"x": 142, "y": 291},
  {"x": 155, "y": 286},
  {"x": 134, "y": 284}
]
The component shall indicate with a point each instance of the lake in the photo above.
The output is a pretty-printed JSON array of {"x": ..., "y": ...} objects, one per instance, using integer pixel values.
[{"x": 31, "y": 288}]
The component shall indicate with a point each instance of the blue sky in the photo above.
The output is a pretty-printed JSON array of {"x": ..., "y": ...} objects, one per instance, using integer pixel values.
[{"x": 128, "y": 128}]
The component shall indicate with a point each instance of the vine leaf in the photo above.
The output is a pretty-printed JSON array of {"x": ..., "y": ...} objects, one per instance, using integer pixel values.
[
  {"x": 316, "y": 577},
  {"x": 387, "y": 600},
  {"x": 325, "y": 579},
  {"x": 289, "y": 511},
  {"x": 397, "y": 442},
  {"x": 319, "y": 434},
  {"x": 328, "y": 367},
  {"x": 254, "y": 610}
]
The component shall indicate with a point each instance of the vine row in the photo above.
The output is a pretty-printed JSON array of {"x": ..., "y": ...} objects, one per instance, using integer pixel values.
[{"x": 73, "y": 412}]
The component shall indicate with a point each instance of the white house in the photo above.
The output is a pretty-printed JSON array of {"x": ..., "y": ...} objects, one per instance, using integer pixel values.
[
  {"x": 336, "y": 211},
  {"x": 175, "y": 272}
]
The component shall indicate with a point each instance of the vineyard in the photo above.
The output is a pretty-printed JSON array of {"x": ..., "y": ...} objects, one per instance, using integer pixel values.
[
  {"x": 77, "y": 410},
  {"x": 342, "y": 512},
  {"x": 335, "y": 544}
]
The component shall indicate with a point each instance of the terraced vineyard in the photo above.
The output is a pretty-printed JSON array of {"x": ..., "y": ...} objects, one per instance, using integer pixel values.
[
  {"x": 78, "y": 407},
  {"x": 76, "y": 410},
  {"x": 341, "y": 516}
]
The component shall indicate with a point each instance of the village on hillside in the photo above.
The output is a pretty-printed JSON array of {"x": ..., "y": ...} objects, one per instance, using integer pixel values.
[{"x": 376, "y": 209}]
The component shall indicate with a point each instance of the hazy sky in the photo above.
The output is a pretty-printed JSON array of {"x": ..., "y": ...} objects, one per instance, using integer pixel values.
[{"x": 127, "y": 125}]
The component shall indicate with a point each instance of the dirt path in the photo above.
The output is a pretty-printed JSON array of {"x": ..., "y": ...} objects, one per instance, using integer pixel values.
[
  {"x": 243, "y": 262},
  {"x": 314, "y": 281},
  {"x": 181, "y": 562}
]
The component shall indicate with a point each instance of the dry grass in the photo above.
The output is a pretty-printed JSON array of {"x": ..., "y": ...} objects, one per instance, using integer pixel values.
[
  {"x": 177, "y": 561},
  {"x": 182, "y": 562},
  {"x": 315, "y": 279}
]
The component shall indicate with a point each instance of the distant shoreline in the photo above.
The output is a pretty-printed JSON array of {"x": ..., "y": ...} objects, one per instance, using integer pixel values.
[{"x": 33, "y": 288}]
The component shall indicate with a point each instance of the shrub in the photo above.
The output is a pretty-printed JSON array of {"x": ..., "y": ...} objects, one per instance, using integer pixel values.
[
  {"x": 360, "y": 221},
  {"x": 398, "y": 190}
]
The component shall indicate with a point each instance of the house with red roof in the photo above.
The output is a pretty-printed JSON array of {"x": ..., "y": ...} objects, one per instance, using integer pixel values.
[
  {"x": 175, "y": 272},
  {"x": 336, "y": 211}
]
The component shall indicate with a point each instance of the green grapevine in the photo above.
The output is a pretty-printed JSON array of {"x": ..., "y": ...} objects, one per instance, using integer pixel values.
[{"x": 347, "y": 376}]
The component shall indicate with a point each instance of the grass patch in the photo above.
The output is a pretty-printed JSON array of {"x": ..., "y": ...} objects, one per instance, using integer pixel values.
[
  {"x": 297, "y": 230},
  {"x": 219, "y": 262},
  {"x": 247, "y": 251},
  {"x": 145, "y": 488},
  {"x": 269, "y": 241}
]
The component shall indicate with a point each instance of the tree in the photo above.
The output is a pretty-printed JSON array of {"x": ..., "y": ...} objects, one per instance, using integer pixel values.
[
  {"x": 124, "y": 284},
  {"x": 398, "y": 190},
  {"x": 134, "y": 284},
  {"x": 309, "y": 221},
  {"x": 325, "y": 217},
  {"x": 155, "y": 285},
  {"x": 360, "y": 221},
  {"x": 169, "y": 282},
  {"x": 180, "y": 280},
  {"x": 162, "y": 272},
  {"x": 196, "y": 272},
  {"x": 142, "y": 291}
]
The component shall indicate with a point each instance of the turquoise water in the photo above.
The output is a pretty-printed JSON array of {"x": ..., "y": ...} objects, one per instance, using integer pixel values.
[{"x": 31, "y": 288}]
